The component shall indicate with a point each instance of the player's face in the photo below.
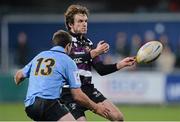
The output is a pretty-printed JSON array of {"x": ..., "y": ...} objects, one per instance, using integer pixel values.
[{"x": 80, "y": 24}]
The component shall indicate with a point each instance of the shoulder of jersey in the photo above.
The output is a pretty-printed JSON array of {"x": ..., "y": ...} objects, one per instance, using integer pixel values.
[{"x": 86, "y": 39}]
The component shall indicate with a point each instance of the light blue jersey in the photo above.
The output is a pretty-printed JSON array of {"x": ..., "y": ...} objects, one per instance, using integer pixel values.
[{"x": 48, "y": 72}]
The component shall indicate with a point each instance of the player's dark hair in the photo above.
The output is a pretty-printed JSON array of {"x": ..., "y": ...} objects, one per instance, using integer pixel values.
[
  {"x": 72, "y": 11},
  {"x": 61, "y": 38}
]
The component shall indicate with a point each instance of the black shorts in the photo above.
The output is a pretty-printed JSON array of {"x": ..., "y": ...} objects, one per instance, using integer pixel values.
[
  {"x": 76, "y": 109},
  {"x": 46, "y": 110}
]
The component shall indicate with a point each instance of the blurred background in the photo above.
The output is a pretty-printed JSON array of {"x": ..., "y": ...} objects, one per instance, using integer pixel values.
[{"x": 146, "y": 92}]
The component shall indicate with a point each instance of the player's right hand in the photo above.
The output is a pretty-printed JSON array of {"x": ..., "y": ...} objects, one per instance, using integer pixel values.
[
  {"x": 102, "y": 47},
  {"x": 102, "y": 110}
]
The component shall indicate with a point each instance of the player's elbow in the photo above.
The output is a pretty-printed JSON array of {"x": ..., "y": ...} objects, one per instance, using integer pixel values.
[
  {"x": 18, "y": 77},
  {"x": 77, "y": 99}
]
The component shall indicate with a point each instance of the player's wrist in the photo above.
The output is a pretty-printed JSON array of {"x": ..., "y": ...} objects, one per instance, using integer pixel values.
[
  {"x": 94, "y": 53},
  {"x": 119, "y": 66},
  {"x": 95, "y": 108}
]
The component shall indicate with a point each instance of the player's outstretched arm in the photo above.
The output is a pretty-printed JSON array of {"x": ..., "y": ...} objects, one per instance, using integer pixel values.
[
  {"x": 18, "y": 77},
  {"x": 84, "y": 100},
  {"x": 104, "y": 69}
]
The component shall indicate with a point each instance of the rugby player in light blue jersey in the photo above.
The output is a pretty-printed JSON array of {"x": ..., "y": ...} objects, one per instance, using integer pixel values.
[{"x": 47, "y": 73}]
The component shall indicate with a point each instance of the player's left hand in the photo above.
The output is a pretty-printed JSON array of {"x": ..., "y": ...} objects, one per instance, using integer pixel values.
[
  {"x": 129, "y": 61},
  {"x": 102, "y": 110}
]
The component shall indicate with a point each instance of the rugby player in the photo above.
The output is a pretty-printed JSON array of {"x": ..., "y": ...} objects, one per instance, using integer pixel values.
[
  {"x": 86, "y": 57},
  {"x": 47, "y": 73}
]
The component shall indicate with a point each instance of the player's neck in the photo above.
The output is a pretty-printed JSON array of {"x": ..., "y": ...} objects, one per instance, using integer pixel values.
[{"x": 76, "y": 34}]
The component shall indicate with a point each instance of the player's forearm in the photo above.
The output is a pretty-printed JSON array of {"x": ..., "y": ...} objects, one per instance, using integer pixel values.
[
  {"x": 104, "y": 69},
  {"x": 82, "y": 99},
  {"x": 85, "y": 101},
  {"x": 94, "y": 53}
]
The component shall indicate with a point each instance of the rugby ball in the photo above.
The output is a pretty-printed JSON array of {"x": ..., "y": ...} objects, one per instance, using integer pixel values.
[{"x": 149, "y": 52}]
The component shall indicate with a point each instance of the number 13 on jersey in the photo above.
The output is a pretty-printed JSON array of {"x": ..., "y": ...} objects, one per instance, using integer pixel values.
[{"x": 48, "y": 63}]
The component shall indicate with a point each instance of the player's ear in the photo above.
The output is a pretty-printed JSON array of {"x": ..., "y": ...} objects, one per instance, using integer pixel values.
[
  {"x": 68, "y": 48},
  {"x": 70, "y": 25},
  {"x": 69, "y": 45}
]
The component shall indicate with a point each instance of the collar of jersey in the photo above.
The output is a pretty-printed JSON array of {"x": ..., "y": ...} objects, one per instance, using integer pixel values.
[
  {"x": 58, "y": 48},
  {"x": 81, "y": 41},
  {"x": 74, "y": 34},
  {"x": 78, "y": 36}
]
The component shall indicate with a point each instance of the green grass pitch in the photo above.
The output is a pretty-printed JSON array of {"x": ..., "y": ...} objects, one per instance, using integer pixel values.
[{"x": 15, "y": 112}]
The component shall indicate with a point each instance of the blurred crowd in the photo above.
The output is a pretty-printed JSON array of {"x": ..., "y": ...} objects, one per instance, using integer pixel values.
[
  {"x": 168, "y": 62},
  {"x": 125, "y": 45}
]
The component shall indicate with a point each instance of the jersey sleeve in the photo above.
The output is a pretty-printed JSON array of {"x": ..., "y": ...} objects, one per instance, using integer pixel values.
[
  {"x": 101, "y": 68},
  {"x": 26, "y": 70},
  {"x": 72, "y": 74}
]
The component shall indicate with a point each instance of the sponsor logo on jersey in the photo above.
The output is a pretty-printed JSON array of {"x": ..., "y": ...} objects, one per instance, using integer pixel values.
[
  {"x": 76, "y": 76},
  {"x": 78, "y": 60},
  {"x": 79, "y": 52}
]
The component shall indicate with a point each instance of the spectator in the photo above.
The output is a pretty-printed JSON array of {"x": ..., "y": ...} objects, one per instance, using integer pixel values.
[
  {"x": 178, "y": 54},
  {"x": 121, "y": 46},
  {"x": 22, "y": 49},
  {"x": 135, "y": 44},
  {"x": 166, "y": 61},
  {"x": 148, "y": 36}
]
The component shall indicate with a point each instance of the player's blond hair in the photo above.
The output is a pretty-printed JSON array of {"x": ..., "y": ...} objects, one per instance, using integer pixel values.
[{"x": 72, "y": 11}]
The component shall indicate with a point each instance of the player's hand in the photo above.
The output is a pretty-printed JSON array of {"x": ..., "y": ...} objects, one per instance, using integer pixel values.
[
  {"x": 102, "y": 47},
  {"x": 129, "y": 61},
  {"x": 102, "y": 110}
]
